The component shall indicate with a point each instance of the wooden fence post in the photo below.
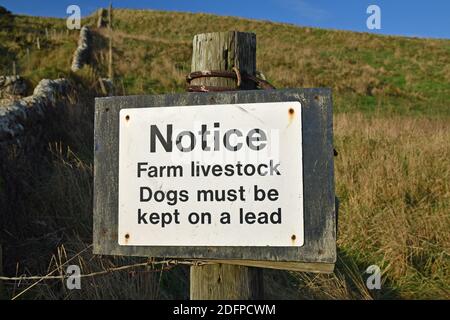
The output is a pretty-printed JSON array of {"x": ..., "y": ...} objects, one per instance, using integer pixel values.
[{"x": 223, "y": 51}]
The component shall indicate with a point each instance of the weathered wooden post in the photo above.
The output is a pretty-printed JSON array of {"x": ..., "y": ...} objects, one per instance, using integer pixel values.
[
  {"x": 221, "y": 51},
  {"x": 278, "y": 175}
]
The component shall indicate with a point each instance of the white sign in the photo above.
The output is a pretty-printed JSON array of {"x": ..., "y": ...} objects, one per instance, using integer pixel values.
[{"x": 215, "y": 175}]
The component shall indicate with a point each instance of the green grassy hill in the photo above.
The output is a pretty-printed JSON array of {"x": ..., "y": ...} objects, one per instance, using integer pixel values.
[
  {"x": 392, "y": 131},
  {"x": 152, "y": 52}
]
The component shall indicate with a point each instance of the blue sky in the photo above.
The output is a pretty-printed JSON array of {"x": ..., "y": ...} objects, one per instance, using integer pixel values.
[{"x": 398, "y": 17}]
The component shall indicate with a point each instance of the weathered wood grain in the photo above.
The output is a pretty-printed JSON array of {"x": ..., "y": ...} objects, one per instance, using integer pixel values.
[
  {"x": 280, "y": 265},
  {"x": 216, "y": 281},
  {"x": 225, "y": 51},
  {"x": 319, "y": 200}
]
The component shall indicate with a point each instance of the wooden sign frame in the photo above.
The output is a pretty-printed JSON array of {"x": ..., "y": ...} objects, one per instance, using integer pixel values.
[{"x": 318, "y": 254}]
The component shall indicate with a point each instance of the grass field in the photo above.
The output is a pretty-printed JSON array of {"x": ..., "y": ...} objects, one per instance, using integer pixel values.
[{"x": 392, "y": 132}]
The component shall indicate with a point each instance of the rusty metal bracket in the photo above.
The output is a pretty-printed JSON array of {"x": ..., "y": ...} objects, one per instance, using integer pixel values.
[{"x": 233, "y": 74}]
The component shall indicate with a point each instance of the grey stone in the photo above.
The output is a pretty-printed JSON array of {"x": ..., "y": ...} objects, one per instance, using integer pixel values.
[
  {"x": 83, "y": 51},
  {"x": 12, "y": 86},
  {"x": 45, "y": 95}
]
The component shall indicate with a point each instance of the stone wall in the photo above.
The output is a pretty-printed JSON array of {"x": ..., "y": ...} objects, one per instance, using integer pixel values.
[
  {"x": 12, "y": 86},
  {"x": 83, "y": 52},
  {"x": 27, "y": 126},
  {"x": 21, "y": 114}
]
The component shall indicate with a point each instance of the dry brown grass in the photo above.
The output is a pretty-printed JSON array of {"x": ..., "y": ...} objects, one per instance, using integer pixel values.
[{"x": 393, "y": 178}]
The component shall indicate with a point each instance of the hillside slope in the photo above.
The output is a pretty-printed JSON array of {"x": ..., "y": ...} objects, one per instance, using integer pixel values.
[{"x": 152, "y": 51}]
